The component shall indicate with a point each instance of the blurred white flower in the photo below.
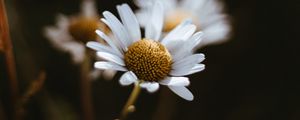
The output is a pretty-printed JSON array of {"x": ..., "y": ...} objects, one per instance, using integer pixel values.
[
  {"x": 206, "y": 14},
  {"x": 149, "y": 61},
  {"x": 71, "y": 33}
]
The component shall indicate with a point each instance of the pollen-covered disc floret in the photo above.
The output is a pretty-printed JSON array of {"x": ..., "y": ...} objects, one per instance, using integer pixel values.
[{"x": 149, "y": 60}]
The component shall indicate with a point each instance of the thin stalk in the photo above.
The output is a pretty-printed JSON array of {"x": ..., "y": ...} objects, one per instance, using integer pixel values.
[
  {"x": 130, "y": 102},
  {"x": 85, "y": 84},
  {"x": 2, "y": 112},
  {"x": 166, "y": 106},
  {"x": 9, "y": 59},
  {"x": 1, "y": 44},
  {"x": 34, "y": 87}
]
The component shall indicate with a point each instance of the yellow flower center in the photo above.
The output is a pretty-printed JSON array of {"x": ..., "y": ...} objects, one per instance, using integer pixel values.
[
  {"x": 83, "y": 28},
  {"x": 176, "y": 17},
  {"x": 149, "y": 60}
]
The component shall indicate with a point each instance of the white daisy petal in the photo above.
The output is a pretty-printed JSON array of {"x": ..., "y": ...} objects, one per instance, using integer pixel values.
[
  {"x": 184, "y": 66},
  {"x": 116, "y": 34},
  {"x": 99, "y": 47},
  {"x": 123, "y": 34},
  {"x": 62, "y": 21},
  {"x": 186, "y": 47},
  {"x": 181, "y": 53},
  {"x": 211, "y": 7},
  {"x": 197, "y": 68},
  {"x": 54, "y": 35},
  {"x": 143, "y": 3},
  {"x": 130, "y": 22},
  {"x": 76, "y": 50},
  {"x": 108, "y": 74},
  {"x": 183, "y": 72},
  {"x": 192, "y": 59},
  {"x": 111, "y": 57},
  {"x": 150, "y": 86},
  {"x": 117, "y": 42},
  {"x": 145, "y": 84},
  {"x": 109, "y": 42},
  {"x": 173, "y": 45},
  {"x": 117, "y": 28},
  {"x": 168, "y": 4},
  {"x": 172, "y": 34},
  {"x": 213, "y": 19},
  {"x": 182, "y": 33},
  {"x": 153, "y": 87},
  {"x": 182, "y": 24},
  {"x": 142, "y": 17},
  {"x": 59, "y": 34},
  {"x": 109, "y": 65},
  {"x": 88, "y": 8},
  {"x": 188, "y": 32},
  {"x": 217, "y": 33},
  {"x": 180, "y": 72},
  {"x": 155, "y": 24},
  {"x": 195, "y": 40},
  {"x": 175, "y": 81},
  {"x": 128, "y": 78},
  {"x": 182, "y": 92},
  {"x": 192, "y": 5}
]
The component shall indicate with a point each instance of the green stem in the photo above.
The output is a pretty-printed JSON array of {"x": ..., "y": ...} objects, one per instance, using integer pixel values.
[{"x": 130, "y": 102}]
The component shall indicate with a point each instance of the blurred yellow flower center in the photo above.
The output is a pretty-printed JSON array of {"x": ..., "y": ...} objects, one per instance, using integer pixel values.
[
  {"x": 83, "y": 29},
  {"x": 149, "y": 60},
  {"x": 175, "y": 18}
]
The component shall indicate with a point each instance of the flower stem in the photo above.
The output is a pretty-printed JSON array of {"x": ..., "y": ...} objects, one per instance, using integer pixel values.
[
  {"x": 7, "y": 47},
  {"x": 85, "y": 87},
  {"x": 166, "y": 106},
  {"x": 130, "y": 102}
]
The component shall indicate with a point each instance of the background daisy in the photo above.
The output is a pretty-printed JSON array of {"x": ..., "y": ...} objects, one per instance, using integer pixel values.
[
  {"x": 66, "y": 36},
  {"x": 208, "y": 15},
  {"x": 71, "y": 33}
]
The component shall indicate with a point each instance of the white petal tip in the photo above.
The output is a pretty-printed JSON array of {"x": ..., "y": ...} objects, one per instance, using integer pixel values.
[
  {"x": 190, "y": 99},
  {"x": 91, "y": 44},
  {"x": 150, "y": 86},
  {"x": 183, "y": 92},
  {"x": 127, "y": 78}
]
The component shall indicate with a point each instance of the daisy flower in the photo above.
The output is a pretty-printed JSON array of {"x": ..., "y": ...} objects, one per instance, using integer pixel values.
[
  {"x": 71, "y": 33},
  {"x": 206, "y": 14},
  {"x": 149, "y": 61}
]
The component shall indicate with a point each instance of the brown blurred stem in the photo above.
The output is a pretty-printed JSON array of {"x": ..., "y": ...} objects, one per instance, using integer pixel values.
[
  {"x": 34, "y": 87},
  {"x": 2, "y": 112},
  {"x": 85, "y": 86},
  {"x": 9, "y": 59},
  {"x": 166, "y": 105},
  {"x": 129, "y": 106}
]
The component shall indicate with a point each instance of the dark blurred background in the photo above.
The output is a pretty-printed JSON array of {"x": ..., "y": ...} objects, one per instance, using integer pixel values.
[{"x": 254, "y": 76}]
